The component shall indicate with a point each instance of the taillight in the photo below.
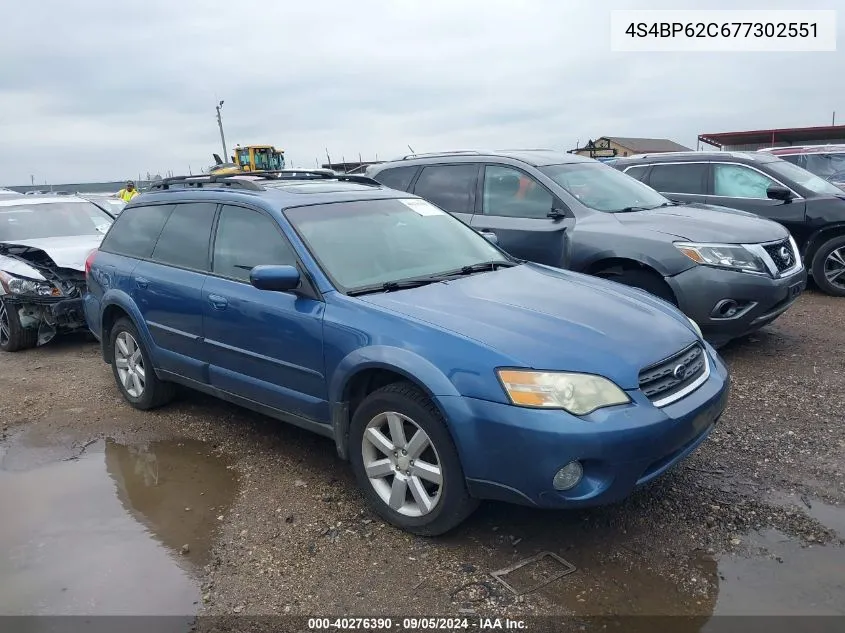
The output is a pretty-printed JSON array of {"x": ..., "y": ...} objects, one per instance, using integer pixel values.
[{"x": 88, "y": 261}]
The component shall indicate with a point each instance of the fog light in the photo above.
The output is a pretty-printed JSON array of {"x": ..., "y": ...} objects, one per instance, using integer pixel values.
[{"x": 569, "y": 476}]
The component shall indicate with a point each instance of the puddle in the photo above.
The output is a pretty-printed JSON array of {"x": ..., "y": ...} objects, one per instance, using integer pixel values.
[{"x": 104, "y": 533}]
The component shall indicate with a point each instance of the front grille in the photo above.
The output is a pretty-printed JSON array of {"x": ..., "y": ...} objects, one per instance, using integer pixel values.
[
  {"x": 781, "y": 254},
  {"x": 669, "y": 376}
]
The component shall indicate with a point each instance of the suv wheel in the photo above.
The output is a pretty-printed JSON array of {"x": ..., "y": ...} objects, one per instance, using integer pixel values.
[
  {"x": 406, "y": 463},
  {"x": 646, "y": 280},
  {"x": 133, "y": 371},
  {"x": 14, "y": 337},
  {"x": 829, "y": 267}
]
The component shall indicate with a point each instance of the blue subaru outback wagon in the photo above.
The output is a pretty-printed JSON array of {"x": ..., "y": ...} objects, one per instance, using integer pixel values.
[{"x": 444, "y": 370}]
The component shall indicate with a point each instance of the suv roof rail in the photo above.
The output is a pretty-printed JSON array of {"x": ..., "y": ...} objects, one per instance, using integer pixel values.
[
  {"x": 312, "y": 174},
  {"x": 227, "y": 180},
  {"x": 471, "y": 152}
]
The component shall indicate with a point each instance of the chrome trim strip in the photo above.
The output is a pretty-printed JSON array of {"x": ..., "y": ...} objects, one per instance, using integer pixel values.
[{"x": 690, "y": 387}]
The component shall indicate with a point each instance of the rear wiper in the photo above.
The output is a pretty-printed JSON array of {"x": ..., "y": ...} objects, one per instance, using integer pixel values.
[{"x": 390, "y": 286}]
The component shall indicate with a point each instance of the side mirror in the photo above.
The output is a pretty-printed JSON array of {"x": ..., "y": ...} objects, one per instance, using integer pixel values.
[
  {"x": 275, "y": 278},
  {"x": 490, "y": 237},
  {"x": 776, "y": 192}
]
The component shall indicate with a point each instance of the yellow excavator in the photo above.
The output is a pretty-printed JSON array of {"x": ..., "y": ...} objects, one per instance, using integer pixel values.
[{"x": 250, "y": 158}]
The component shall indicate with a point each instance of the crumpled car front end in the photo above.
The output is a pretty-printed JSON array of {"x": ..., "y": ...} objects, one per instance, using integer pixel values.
[{"x": 40, "y": 298}]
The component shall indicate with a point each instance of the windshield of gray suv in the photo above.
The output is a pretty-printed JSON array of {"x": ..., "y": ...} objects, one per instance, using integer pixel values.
[
  {"x": 34, "y": 219},
  {"x": 370, "y": 243},
  {"x": 802, "y": 177},
  {"x": 604, "y": 188}
]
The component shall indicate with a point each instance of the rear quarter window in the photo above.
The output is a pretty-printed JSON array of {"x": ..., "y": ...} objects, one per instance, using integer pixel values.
[
  {"x": 136, "y": 230},
  {"x": 397, "y": 177}
]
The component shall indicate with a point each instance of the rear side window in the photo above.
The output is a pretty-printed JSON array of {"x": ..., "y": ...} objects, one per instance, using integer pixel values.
[
  {"x": 184, "y": 240},
  {"x": 450, "y": 187},
  {"x": 679, "y": 178},
  {"x": 397, "y": 178},
  {"x": 245, "y": 239},
  {"x": 637, "y": 172},
  {"x": 135, "y": 231}
]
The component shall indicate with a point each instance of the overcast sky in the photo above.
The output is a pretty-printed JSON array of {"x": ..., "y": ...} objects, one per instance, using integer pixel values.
[{"x": 103, "y": 90}]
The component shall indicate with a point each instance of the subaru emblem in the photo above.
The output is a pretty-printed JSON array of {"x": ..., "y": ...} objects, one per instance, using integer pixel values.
[{"x": 680, "y": 372}]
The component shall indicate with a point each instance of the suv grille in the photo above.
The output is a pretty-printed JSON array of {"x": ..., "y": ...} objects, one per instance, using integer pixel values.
[
  {"x": 664, "y": 379},
  {"x": 781, "y": 254}
]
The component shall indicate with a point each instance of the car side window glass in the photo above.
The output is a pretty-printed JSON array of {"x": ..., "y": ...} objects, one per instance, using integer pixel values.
[
  {"x": 246, "y": 238},
  {"x": 510, "y": 192},
  {"x": 679, "y": 178},
  {"x": 184, "y": 240},
  {"x": 448, "y": 186},
  {"x": 738, "y": 181},
  {"x": 637, "y": 172},
  {"x": 136, "y": 230},
  {"x": 397, "y": 177}
]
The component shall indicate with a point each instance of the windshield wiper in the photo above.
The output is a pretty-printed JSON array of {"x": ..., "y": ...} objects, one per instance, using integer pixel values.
[
  {"x": 633, "y": 209},
  {"x": 390, "y": 286},
  {"x": 480, "y": 267}
]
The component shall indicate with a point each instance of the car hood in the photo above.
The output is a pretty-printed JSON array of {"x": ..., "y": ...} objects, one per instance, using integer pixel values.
[
  {"x": 63, "y": 252},
  {"x": 705, "y": 223},
  {"x": 544, "y": 318}
]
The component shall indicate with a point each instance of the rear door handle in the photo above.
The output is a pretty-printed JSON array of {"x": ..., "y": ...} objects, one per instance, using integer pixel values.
[
  {"x": 218, "y": 302},
  {"x": 142, "y": 282}
]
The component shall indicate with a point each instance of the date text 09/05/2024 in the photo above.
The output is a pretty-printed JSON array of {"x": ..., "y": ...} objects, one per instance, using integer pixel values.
[
  {"x": 724, "y": 29},
  {"x": 416, "y": 624}
]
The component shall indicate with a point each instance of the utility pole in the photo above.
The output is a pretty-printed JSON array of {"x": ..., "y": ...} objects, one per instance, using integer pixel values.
[
  {"x": 222, "y": 137},
  {"x": 32, "y": 179},
  {"x": 834, "y": 118}
]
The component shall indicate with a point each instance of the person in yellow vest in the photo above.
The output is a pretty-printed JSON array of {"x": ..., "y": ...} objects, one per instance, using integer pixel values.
[{"x": 128, "y": 192}]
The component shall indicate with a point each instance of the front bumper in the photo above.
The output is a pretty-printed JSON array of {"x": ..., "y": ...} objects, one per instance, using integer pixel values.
[
  {"x": 61, "y": 313},
  {"x": 512, "y": 454},
  {"x": 762, "y": 299}
]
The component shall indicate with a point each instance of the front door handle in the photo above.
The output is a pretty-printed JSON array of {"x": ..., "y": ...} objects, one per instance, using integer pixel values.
[
  {"x": 218, "y": 302},
  {"x": 142, "y": 282}
]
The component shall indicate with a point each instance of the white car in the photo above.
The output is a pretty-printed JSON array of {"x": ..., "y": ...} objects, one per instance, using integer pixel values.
[{"x": 44, "y": 242}]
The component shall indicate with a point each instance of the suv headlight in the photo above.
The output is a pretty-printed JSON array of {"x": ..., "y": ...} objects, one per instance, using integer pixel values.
[
  {"x": 578, "y": 394},
  {"x": 18, "y": 286},
  {"x": 732, "y": 256},
  {"x": 695, "y": 327}
]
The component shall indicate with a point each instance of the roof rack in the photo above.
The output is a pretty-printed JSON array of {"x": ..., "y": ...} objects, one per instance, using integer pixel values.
[
  {"x": 471, "y": 152},
  {"x": 251, "y": 180},
  {"x": 312, "y": 174},
  {"x": 234, "y": 181}
]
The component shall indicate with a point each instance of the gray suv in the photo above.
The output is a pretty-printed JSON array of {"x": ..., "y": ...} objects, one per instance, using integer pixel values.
[{"x": 730, "y": 271}]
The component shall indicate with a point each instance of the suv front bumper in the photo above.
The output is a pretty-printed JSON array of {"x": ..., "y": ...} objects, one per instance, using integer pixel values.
[{"x": 761, "y": 299}]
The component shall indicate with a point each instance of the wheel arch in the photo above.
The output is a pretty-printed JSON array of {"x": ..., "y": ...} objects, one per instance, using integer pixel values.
[{"x": 117, "y": 305}]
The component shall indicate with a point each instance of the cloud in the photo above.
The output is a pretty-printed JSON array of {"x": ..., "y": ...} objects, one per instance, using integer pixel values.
[{"x": 99, "y": 90}]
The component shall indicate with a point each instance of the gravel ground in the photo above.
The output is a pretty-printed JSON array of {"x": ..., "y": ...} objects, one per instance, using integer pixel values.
[{"x": 299, "y": 540}]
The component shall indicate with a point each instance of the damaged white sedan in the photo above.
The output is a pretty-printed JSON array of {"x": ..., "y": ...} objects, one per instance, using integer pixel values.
[{"x": 44, "y": 242}]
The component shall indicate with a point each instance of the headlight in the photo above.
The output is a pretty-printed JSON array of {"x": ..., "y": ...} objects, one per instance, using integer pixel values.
[
  {"x": 695, "y": 327},
  {"x": 723, "y": 256},
  {"x": 578, "y": 394},
  {"x": 17, "y": 286}
]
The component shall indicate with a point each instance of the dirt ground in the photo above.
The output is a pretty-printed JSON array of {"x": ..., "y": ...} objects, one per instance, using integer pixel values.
[{"x": 257, "y": 517}]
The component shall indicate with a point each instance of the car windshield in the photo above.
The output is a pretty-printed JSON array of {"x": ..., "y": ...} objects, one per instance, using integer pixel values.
[
  {"x": 604, "y": 188},
  {"x": 33, "y": 219},
  {"x": 374, "y": 242},
  {"x": 802, "y": 177}
]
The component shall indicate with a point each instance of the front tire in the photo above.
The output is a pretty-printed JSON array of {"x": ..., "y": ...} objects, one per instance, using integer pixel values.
[
  {"x": 828, "y": 267},
  {"x": 133, "y": 372},
  {"x": 13, "y": 336},
  {"x": 646, "y": 280},
  {"x": 406, "y": 462}
]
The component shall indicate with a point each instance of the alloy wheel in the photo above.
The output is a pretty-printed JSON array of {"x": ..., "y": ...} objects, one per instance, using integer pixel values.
[
  {"x": 130, "y": 364},
  {"x": 5, "y": 328},
  {"x": 402, "y": 464},
  {"x": 834, "y": 267}
]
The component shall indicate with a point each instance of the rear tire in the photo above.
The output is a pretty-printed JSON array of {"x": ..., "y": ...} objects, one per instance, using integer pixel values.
[
  {"x": 646, "y": 280},
  {"x": 392, "y": 485},
  {"x": 830, "y": 260},
  {"x": 133, "y": 371},
  {"x": 14, "y": 337}
]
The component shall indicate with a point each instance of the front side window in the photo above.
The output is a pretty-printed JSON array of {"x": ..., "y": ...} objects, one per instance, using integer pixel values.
[
  {"x": 184, "y": 240},
  {"x": 603, "y": 188},
  {"x": 449, "y": 187},
  {"x": 510, "y": 192},
  {"x": 686, "y": 178},
  {"x": 362, "y": 243},
  {"x": 35, "y": 219},
  {"x": 739, "y": 181},
  {"x": 245, "y": 239},
  {"x": 136, "y": 230},
  {"x": 637, "y": 172}
]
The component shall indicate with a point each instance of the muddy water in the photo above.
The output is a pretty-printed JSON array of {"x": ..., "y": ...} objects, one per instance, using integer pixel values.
[{"x": 102, "y": 531}]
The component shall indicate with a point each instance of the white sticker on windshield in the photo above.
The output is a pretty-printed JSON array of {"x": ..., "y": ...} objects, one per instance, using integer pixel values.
[{"x": 422, "y": 207}]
